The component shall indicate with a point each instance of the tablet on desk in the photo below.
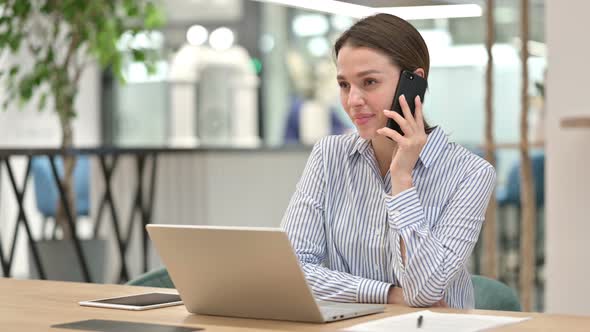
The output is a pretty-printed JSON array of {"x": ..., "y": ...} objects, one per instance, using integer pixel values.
[{"x": 136, "y": 302}]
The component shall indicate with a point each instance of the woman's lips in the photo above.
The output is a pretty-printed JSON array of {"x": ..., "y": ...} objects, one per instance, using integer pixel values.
[{"x": 361, "y": 119}]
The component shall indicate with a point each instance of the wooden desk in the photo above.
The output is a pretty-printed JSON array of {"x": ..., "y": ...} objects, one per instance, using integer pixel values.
[{"x": 35, "y": 305}]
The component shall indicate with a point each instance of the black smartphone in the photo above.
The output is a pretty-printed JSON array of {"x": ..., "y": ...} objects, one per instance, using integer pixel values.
[{"x": 410, "y": 85}]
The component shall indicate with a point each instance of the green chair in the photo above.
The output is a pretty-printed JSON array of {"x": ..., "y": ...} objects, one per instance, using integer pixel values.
[
  {"x": 156, "y": 278},
  {"x": 492, "y": 294}
]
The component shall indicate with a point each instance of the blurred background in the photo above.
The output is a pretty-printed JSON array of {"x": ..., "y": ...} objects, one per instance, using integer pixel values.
[{"x": 242, "y": 89}]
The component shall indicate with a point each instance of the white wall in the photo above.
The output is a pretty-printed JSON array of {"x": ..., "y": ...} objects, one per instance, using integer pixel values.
[{"x": 568, "y": 158}]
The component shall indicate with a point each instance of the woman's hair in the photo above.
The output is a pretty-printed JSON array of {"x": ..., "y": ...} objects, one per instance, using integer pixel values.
[{"x": 393, "y": 37}]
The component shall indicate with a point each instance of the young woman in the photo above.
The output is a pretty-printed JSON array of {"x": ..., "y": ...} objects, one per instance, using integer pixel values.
[{"x": 380, "y": 217}]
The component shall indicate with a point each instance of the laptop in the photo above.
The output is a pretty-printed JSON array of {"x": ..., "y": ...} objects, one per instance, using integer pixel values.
[{"x": 243, "y": 272}]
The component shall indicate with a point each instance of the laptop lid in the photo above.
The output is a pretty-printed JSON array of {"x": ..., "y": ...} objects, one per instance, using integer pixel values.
[{"x": 235, "y": 271}]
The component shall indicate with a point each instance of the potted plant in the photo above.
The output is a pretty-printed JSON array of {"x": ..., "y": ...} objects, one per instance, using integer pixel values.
[{"x": 61, "y": 38}]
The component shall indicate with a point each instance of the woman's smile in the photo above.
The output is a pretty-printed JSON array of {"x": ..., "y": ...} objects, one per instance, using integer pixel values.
[{"x": 362, "y": 118}]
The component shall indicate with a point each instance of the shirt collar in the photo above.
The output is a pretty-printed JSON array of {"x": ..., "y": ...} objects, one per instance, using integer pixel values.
[
  {"x": 360, "y": 145},
  {"x": 435, "y": 144}
]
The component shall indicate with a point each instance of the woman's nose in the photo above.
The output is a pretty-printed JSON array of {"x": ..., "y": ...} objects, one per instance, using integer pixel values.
[{"x": 355, "y": 97}]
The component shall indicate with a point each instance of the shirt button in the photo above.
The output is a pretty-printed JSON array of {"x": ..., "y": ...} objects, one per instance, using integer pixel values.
[{"x": 395, "y": 214}]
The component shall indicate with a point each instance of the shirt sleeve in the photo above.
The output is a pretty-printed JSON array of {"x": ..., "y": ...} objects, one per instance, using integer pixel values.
[
  {"x": 304, "y": 224},
  {"x": 435, "y": 253}
]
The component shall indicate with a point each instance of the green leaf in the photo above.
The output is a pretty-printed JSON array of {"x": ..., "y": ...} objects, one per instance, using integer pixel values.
[
  {"x": 50, "y": 55},
  {"x": 13, "y": 71},
  {"x": 5, "y": 20},
  {"x": 154, "y": 18},
  {"x": 138, "y": 55},
  {"x": 69, "y": 10},
  {"x": 46, "y": 8},
  {"x": 21, "y": 8},
  {"x": 40, "y": 73},
  {"x": 4, "y": 37},
  {"x": 42, "y": 102},
  {"x": 117, "y": 69},
  {"x": 131, "y": 8},
  {"x": 25, "y": 89},
  {"x": 14, "y": 43},
  {"x": 151, "y": 68}
]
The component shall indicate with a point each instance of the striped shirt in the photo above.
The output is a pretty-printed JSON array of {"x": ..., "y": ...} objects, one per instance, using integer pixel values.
[{"x": 345, "y": 227}]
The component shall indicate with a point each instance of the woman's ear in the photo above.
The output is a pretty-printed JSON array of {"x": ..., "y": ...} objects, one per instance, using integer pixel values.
[{"x": 419, "y": 72}]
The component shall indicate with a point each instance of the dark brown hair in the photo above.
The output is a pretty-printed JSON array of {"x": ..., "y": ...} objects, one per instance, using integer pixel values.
[{"x": 393, "y": 37}]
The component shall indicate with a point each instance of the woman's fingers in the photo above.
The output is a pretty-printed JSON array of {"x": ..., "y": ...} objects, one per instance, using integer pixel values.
[
  {"x": 394, "y": 135},
  {"x": 401, "y": 121},
  {"x": 418, "y": 114},
  {"x": 407, "y": 111}
]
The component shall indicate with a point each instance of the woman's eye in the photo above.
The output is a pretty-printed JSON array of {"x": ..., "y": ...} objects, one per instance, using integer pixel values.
[
  {"x": 343, "y": 85},
  {"x": 370, "y": 81}
]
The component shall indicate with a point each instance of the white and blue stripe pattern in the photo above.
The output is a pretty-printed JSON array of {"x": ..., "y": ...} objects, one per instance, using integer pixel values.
[{"x": 345, "y": 227}]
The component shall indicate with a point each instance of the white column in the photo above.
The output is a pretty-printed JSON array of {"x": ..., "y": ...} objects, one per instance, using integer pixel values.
[
  {"x": 275, "y": 76},
  {"x": 568, "y": 158}
]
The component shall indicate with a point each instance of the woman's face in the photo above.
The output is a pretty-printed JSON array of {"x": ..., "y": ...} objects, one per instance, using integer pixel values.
[{"x": 367, "y": 81}]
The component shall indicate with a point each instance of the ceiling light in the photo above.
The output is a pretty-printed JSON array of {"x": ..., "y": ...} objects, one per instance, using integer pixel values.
[
  {"x": 433, "y": 12},
  {"x": 196, "y": 35},
  {"x": 221, "y": 38},
  {"x": 359, "y": 11},
  {"x": 327, "y": 6},
  {"x": 306, "y": 25}
]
